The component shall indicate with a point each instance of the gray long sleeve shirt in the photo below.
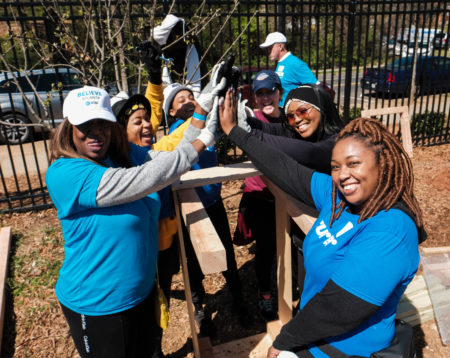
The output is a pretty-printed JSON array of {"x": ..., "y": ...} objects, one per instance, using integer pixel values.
[{"x": 123, "y": 185}]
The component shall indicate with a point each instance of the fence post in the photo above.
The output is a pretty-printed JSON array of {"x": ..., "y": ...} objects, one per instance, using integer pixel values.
[
  {"x": 348, "y": 66},
  {"x": 281, "y": 15}
]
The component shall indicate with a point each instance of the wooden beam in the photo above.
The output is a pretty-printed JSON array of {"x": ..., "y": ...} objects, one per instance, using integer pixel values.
[
  {"x": 207, "y": 245},
  {"x": 187, "y": 284},
  {"x": 284, "y": 264},
  {"x": 274, "y": 328},
  {"x": 195, "y": 178},
  {"x": 383, "y": 111},
  {"x": 405, "y": 125},
  {"x": 303, "y": 215},
  {"x": 5, "y": 242},
  {"x": 406, "y": 132},
  {"x": 435, "y": 250}
]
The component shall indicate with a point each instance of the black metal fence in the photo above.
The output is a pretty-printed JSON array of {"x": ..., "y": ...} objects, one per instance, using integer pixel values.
[{"x": 363, "y": 50}]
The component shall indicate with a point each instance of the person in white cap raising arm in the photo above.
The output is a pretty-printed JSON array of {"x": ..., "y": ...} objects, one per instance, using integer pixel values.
[
  {"x": 105, "y": 192},
  {"x": 292, "y": 71}
]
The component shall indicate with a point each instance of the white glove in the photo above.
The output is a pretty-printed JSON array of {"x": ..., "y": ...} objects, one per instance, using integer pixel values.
[
  {"x": 206, "y": 137},
  {"x": 212, "y": 132},
  {"x": 213, "y": 77},
  {"x": 206, "y": 99},
  {"x": 242, "y": 113}
]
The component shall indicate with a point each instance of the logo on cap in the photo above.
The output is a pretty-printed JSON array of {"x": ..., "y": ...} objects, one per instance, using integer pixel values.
[{"x": 262, "y": 77}]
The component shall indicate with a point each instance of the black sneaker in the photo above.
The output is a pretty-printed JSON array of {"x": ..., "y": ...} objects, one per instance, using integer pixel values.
[{"x": 267, "y": 306}]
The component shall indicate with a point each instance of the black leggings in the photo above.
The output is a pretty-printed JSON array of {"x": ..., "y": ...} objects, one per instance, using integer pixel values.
[{"x": 126, "y": 334}]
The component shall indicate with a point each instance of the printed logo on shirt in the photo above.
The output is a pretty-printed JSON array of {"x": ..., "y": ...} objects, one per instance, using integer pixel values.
[
  {"x": 322, "y": 231},
  {"x": 280, "y": 71}
]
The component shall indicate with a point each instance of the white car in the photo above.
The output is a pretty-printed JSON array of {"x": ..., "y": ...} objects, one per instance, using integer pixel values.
[{"x": 406, "y": 49}]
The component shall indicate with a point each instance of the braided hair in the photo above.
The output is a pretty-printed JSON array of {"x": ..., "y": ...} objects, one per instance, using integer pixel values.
[{"x": 396, "y": 179}]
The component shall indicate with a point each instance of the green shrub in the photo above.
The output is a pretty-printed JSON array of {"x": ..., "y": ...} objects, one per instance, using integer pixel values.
[
  {"x": 428, "y": 123},
  {"x": 355, "y": 112}
]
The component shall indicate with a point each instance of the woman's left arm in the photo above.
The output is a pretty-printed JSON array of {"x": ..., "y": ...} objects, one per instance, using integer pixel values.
[
  {"x": 332, "y": 312},
  {"x": 379, "y": 262}
]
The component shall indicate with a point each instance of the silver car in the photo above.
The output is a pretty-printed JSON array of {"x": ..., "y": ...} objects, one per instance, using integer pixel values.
[{"x": 51, "y": 85}]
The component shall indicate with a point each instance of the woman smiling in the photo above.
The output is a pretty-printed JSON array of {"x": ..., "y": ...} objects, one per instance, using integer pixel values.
[
  {"x": 109, "y": 211},
  {"x": 362, "y": 251}
]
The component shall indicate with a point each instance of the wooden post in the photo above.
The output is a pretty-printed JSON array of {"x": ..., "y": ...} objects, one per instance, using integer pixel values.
[
  {"x": 284, "y": 271},
  {"x": 5, "y": 241},
  {"x": 187, "y": 285}
]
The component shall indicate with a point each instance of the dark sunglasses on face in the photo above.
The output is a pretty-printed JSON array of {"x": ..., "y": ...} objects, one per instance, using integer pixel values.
[{"x": 299, "y": 112}]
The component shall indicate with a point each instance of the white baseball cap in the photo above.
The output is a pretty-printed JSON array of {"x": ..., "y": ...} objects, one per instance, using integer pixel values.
[
  {"x": 87, "y": 103},
  {"x": 169, "y": 95},
  {"x": 273, "y": 38}
]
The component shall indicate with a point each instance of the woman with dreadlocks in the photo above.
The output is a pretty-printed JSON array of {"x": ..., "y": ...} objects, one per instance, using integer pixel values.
[{"x": 362, "y": 251}]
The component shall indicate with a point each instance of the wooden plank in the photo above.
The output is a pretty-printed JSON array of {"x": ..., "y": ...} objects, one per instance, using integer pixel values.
[
  {"x": 415, "y": 305},
  {"x": 207, "y": 245},
  {"x": 5, "y": 242},
  {"x": 274, "y": 328},
  {"x": 405, "y": 125},
  {"x": 195, "y": 178},
  {"x": 303, "y": 215},
  {"x": 249, "y": 347},
  {"x": 284, "y": 265},
  {"x": 383, "y": 111},
  {"x": 406, "y": 132},
  {"x": 435, "y": 250},
  {"x": 187, "y": 285}
]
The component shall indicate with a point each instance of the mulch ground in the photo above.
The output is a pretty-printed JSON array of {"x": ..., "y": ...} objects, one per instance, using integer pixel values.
[{"x": 34, "y": 325}]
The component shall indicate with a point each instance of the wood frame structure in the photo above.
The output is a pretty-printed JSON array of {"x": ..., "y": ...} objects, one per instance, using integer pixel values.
[
  {"x": 405, "y": 126},
  {"x": 210, "y": 251}
]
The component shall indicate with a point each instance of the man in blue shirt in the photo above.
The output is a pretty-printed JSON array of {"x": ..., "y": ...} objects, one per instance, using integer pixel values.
[{"x": 292, "y": 71}]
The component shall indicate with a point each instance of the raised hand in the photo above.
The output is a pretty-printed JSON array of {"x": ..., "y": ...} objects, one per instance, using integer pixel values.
[{"x": 228, "y": 112}]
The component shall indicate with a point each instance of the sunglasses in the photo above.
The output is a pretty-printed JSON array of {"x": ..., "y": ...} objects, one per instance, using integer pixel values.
[
  {"x": 299, "y": 112},
  {"x": 134, "y": 108}
]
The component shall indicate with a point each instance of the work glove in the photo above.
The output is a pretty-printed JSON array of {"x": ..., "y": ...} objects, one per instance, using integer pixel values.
[
  {"x": 213, "y": 77},
  {"x": 150, "y": 55},
  {"x": 212, "y": 131},
  {"x": 206, "y": 98},
  {"x": 242, "y": 113}
]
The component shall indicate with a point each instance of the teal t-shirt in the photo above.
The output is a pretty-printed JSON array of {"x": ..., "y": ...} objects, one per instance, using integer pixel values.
[
  {"x": 374, "y": 260},
  {"x": 293, "y": 72},
  {"x": 110, "y": 253}
]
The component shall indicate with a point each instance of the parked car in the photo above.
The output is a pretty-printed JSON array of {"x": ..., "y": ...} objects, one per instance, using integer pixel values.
[
  {"x": 440, "y": 40},
  {"x": 432, "y": 75},
  {"x": 406, "y": 49},
  {"x": 52, "y": 85}
]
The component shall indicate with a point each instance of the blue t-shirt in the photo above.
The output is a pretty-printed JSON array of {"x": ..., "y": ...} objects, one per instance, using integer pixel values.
[
  {"x": 293, "y": 72},
  {"x": 110, "y": 253},
  {"x": 374, "y": 260},
  {"x": 210, "y": 193}
]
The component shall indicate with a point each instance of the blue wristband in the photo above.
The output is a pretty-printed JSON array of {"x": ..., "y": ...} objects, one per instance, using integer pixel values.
[{"x": 200, "y": 117}]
